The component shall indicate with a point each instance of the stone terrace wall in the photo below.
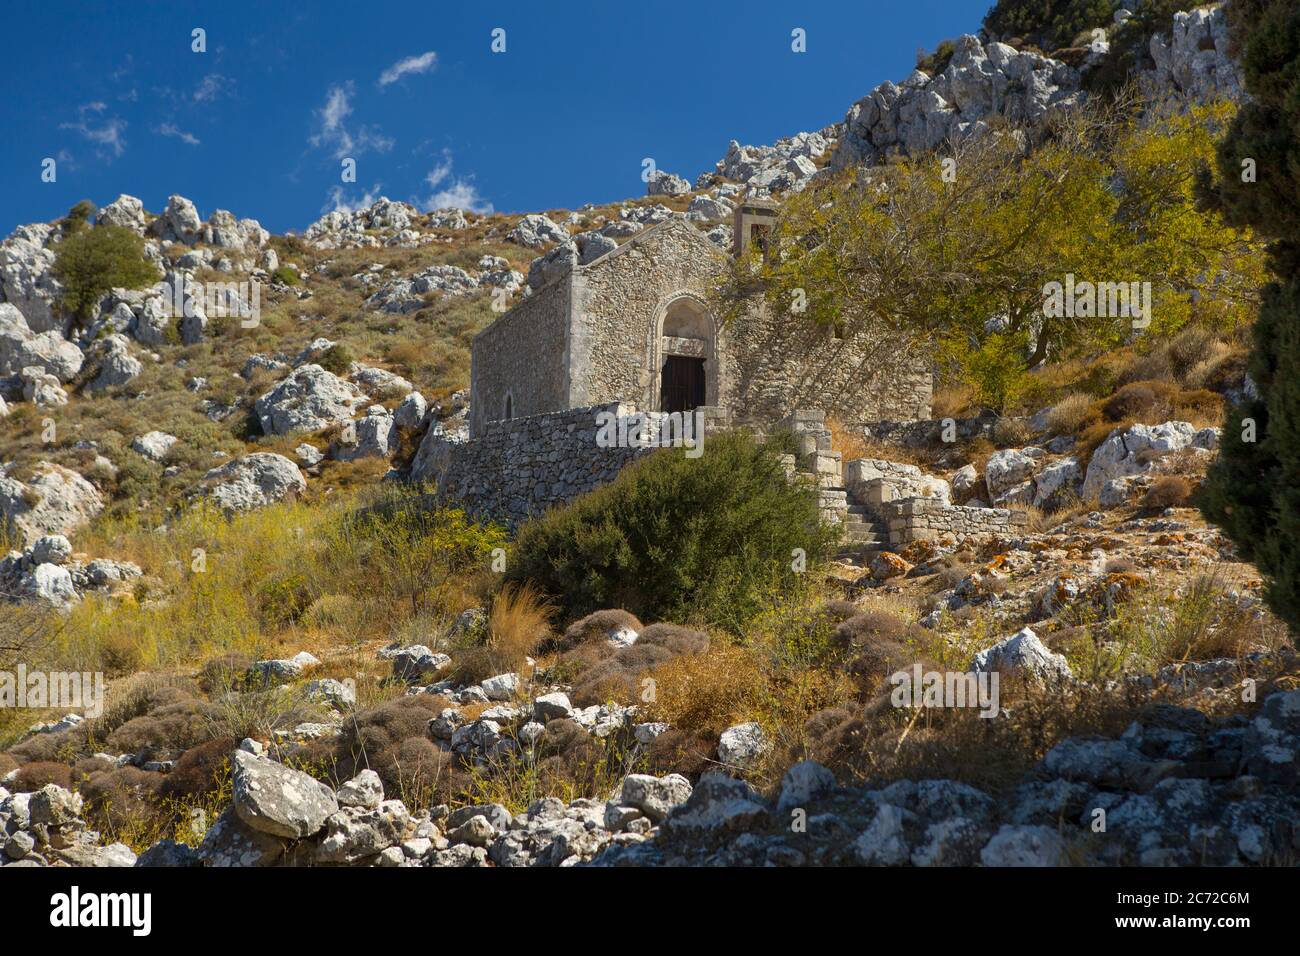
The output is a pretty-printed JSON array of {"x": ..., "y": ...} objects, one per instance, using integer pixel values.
[
  {"x": 518, "y": 468},
  {"x": 927, "y": 519}
]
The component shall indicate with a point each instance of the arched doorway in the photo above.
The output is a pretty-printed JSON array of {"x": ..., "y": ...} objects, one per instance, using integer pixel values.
[{"x": 684, "y": 356}]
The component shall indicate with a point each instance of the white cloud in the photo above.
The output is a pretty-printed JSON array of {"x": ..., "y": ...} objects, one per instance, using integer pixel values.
[
  {"x": 411, "y": 65},
  {"x": 171, "y": 129},
  {"x": 338, "y": 202},
  {"x": 212, "y": 87},
  {"x": 333, "y": 134},
  {"x": 452, "y": 191},
  {"x": 106, "y": 134}
]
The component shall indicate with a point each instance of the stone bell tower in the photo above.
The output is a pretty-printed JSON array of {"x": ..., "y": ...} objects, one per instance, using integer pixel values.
[{"x": 752, "y": 223}]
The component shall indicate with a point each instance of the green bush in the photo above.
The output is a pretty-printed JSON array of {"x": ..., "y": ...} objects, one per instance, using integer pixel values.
[
  {"x": 89, "y": 262},
  {"x": 337, "y": 359},
  {"x": 676, "y": 539},
  {"x": 285, "y": 276},
  {"x": 1051, "y": 24}
]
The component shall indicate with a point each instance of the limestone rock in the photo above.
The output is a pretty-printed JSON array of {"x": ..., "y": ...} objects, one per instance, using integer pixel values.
[
  {"x": 253, "y": 481},
  {"x": 278, "y": 800}
]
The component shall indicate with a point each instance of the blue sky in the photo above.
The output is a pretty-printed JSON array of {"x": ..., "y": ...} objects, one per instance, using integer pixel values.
[{"x": 259, "y": 123}]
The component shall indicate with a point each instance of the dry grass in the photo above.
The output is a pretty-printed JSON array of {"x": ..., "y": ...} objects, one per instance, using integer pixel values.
[
  {"x": 1068, "y": 415},
  {"x": 519, "y": 622}
]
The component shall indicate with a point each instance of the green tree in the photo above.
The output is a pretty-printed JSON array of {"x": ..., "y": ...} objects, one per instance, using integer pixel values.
[
  {"x": 929, "y": 249},
  {"x": 674, "y": 538},
  {"x": 90, "y": 261},
  {"x": 1253, "y": 491},
  {"x": 1051, "y": 24}
]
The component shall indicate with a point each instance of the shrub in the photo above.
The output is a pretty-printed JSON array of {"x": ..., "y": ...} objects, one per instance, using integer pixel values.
[
  {"x": 285, "y": 276},
  {"x": 200, "y": 769},
  {"x": 1068, "y": 415},
  {"x": 708, "y": 692},
  {"x": 594, "y": 627},
  {"x": 91, "y": 261},
  {"x": 32, "y": 776},
  {"x": 1250, "y": 489},
  {"x": 673, "y": 538},
  {"x": 1168, "y": 491},
  {"x": 1050, "y": 23},
  {"x": 338, "y": 358},
  {"x": 415, "y": 545}
]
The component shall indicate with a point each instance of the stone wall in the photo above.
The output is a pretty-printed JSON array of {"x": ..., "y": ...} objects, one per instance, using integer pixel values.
[
  {"x": 523, "y": 354},
  {"x": 517, "y": 469},
  {"x": 777, "y": 363},
  {"x": 927, "y": 519}
]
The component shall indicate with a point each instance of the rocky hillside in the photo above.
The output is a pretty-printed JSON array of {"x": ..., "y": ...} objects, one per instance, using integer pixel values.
[{"x": 206, "y": 498}]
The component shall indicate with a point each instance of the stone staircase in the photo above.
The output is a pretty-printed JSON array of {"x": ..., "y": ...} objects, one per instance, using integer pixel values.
[{"x": 864, "y": 533}]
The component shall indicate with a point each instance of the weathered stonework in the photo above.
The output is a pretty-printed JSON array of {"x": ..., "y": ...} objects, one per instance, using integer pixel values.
[
  {"x": 601, "y": 333},
  {"x": 928, "y": 519},
  {"x": 517, "y": 469}
]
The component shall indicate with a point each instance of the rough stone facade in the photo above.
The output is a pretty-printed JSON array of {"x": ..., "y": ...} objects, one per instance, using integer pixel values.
[
  {"x": 602, "y": 332},
  {"x": 928, "y": 519},
  {"x": 517, "y": 469}
]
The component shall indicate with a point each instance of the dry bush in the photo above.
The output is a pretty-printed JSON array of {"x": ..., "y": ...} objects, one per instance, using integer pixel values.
[
  {"x": 1011, "y": 432},
  {"x": 1069, "y": 414},
  {"x": 594, "y": 627},
  {"x": 225, "y": 672},
  {"x": 952, "y": 401},
  {"x": 1223, "y": 369},
  {"x": 689, "y": 753},
  {"x": 883, "y": 743},
  {"x": 175, "y": 722},
  {"x": 1168, "y": 491},
  {"x": 868, "y": 627},
  {"x": 392, "y": 739},
  {"x": 708, "y": 692},
  {"x": 7, "y": 764},
  {"x": 618, "y": 677},
  {"x": 38, "y": 773},
  {"x": 600, "y": 673},
  {"x": 200, "y": 769},
  {"x": 117, "y": 794},
  {"x": 849, "y": 442}
]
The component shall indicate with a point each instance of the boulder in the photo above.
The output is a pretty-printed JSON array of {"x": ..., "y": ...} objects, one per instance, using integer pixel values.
[
  {"x": 308, "y": 400},
  {"x": 742, "y": 745},
  {"x": 1131, "y": 451},
  {"x": 1006, "y": 469},
  {"x": 154, "y": 445},
  {"x": 278, "y": 800},
  {"x": 117, "y": 365},
  {"x": 20, "y": 347},
  {"x": 365, "y": 791},
  {"x": 660, "y": 183},
  {"x": 1025, "y": 652},
  {"x": 55, "y": 501},
  {"x": 253, "y": 481},
  {"x": 656, "y": 797},
  {"x": 535, "y": 231}
]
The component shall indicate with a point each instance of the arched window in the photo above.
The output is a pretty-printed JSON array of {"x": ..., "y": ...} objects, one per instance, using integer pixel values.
[{"x": 510, "y": 407}]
